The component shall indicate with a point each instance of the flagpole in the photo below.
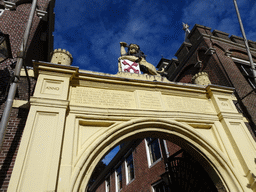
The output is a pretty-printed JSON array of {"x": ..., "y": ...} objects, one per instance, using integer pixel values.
[{"x": 246, "y": 42}]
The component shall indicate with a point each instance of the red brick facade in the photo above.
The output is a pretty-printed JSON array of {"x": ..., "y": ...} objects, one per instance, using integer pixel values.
[
  {"x": 144, "y": 175},
  {"x": 220, "y": 65},
  {"x": 13, "y": 22}
]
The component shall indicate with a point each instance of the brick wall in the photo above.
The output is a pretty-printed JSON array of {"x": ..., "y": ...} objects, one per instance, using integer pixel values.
[
  {"x": 145, "y": 176},
  {"x": 13, "y": 22},
  {"x": 220, "y": 67}
]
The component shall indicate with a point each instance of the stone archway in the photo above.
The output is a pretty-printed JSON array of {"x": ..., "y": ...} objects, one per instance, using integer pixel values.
[
  {"x": 164, "y": 128},
  {"x": 77, "y": 117}
]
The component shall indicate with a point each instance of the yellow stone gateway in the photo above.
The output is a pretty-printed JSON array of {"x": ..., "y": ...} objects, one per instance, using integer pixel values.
[{"x": 77, "y": 116}]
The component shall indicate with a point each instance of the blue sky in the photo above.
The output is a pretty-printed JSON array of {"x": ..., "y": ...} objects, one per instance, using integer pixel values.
[
  {"x": 110, "y": 155},
  {"x": 91, "y": 30}
]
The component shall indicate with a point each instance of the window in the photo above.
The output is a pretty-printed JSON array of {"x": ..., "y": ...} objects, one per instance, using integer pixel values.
[
  {"x": 107, "y": 182},
  {"x": 245, "y": 68},
  {"x": 129, "y": 168},
  {"x": 153, "y": 150},
  {"x": 160, "y": 187},
  {"x": 247, "y": 73},
  {"x": 119, "y": 178}
]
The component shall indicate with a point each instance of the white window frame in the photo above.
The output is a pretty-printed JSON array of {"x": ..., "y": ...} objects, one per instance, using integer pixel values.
[
  {"x": 148, "y": 154},
  {"x": 107, "y": 189},
  {"x": 126, "y": 168},
  {"x": 244, "y": 62},
  {"x": 1, "y": 11},
  {"x": 153, "y": 186},
  {"x": 166, "y": 148},
  {"x": 116, "y": 178}
]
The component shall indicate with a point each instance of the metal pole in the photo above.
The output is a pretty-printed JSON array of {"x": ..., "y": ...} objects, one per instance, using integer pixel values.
[
  {"x": 245, "y": 42},
  {"x": 14, "y": 84},
  {"x": 166, "y": 162}
]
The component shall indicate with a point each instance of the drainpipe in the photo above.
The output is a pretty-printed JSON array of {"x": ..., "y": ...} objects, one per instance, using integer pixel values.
[
  {"x": 14, "y": 84},
  {"x": 246, "y": 42}
]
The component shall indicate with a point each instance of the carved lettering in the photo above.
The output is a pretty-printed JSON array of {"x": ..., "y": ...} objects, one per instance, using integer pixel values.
[
  {"x": 103, "y": 98},
  {"x": 149, "y": 100},
  {"x": 188, "y": 104},
  {"x": 53, "y": 88},
  {"x": 224, "y": 104}
]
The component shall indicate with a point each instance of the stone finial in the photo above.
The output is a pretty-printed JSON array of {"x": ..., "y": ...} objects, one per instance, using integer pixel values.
[
  {"x": 61, "y": 56},
  {"x": 187, "y": 31},
  {"x": 201, "y": 78},
  {"x": 42, "y": 14},
  {"x": 9, "y": 5}
]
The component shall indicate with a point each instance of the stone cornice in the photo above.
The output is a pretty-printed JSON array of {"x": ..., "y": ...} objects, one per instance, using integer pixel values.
[
  {"x": 225, "y": 115},
  {"x": 203, "y": 36},
  {"x": 50, "y": 68},
  {"x": 219, "y": 89},
  {"x": 181, "y": 47},
  {"x": 57, "y": 103}
]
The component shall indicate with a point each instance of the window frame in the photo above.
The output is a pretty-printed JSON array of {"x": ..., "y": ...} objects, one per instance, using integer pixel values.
[
  {"x": 244, "y": 72},
  {"x": 1, "y": 11},
  {"x": 117, "y": 178},
  {"x": 107, "y": 184},
  {"x": 149, "y": 158},
  {"x": 156, "y": 184},
  {"x": 128, "y": 179}
]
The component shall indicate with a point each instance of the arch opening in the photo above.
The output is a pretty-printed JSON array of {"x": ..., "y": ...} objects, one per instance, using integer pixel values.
[{"x": 181, "y": 135}]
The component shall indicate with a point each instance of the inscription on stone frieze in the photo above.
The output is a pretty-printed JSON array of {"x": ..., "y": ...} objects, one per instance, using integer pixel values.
[
  {"x": 224, "y": 104},
  {"x": 175, "y": 103},
  {"x": 140, "y": 99},
  {"x": 102, "y": 98},
  {"x": 149, "y": 100},
  {"x": 52, "y": 87}
]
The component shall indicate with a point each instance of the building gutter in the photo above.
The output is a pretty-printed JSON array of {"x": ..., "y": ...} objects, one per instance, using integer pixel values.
[{"x": 16, "y": 79}]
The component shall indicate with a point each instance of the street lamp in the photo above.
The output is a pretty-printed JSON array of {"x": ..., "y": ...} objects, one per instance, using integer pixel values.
[{"x": 5, "y": 47}]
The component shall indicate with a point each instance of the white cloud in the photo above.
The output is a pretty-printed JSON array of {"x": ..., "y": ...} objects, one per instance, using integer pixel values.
[
  {"x": 205, "y": 12},
  {"x": 153, "y": 25},
  {"x": 220, "y": 15},
  {"x": 228, "y": 25}
]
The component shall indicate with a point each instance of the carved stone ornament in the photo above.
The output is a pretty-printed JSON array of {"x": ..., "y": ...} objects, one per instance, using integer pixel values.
[
  {"x": 9, "y": 5},
  {"x": 41, "y": 14},
  {"x": 201, "y": 78},
  {"x": 198, "y": 64},
  {"x": 135, "y": 55},
  {"x": 228, "y": 53},
  {"x": 210, "y": 51},
  {"x": 130, "y": 66}
]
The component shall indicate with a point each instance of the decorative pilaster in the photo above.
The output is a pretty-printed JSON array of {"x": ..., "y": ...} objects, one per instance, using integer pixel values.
[{"x": 37, "y": 164}]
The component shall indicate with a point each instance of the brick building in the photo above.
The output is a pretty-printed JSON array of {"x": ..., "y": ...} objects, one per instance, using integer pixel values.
[
  {"x": 216, "y": 56},
  {"x": 140, "y": 165},
  {"x": 224, "y": 59},
  {"x": 13, "y": 18}
]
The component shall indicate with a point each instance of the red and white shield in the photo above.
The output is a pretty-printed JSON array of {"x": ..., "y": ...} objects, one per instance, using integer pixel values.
[{"x": 130, "y": 66}]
